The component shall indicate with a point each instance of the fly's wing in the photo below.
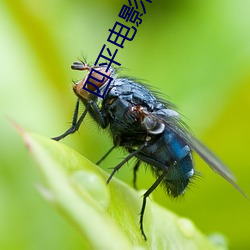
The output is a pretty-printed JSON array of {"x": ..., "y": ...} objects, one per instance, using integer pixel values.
[
  {"x": 212, "y": 160},
  {"x": 175, "y": 124},
  {"x": 208, "y": 156}
]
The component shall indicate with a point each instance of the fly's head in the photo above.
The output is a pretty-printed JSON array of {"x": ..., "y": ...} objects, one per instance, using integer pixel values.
[{"x": 95, "y": 82}]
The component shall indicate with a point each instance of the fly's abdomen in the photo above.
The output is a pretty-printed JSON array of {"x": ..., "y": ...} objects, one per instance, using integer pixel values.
[
  {"x": 178, "y": 176},
  {"x": 180, "y": 166},
  {"x": 170, "y": 155}
]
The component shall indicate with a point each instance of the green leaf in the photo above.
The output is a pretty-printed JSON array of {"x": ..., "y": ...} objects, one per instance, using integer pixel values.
[{"x": 107, "y": 215}]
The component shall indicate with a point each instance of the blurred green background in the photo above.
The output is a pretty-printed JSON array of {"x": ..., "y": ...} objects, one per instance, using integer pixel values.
[{"x": 197, "y": 53}]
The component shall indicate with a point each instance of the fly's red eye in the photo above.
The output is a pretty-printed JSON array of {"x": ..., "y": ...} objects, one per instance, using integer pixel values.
[
  {"x": 90, "y": 82},
  {"x": 97, "y": 79}
]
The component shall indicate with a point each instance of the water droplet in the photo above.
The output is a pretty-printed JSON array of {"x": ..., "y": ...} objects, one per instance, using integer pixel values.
[
  {"x": 187, "y": 227},
  {"x": 94, "y": 185}
]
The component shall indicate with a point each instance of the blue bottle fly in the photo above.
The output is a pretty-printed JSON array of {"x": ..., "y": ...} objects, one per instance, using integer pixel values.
[{"x": 148, "y": 127}]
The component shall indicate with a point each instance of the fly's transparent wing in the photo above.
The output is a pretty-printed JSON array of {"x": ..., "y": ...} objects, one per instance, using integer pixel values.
[
  {"x": 210, "y": 158},
  {"x": 174, "y": 123},
  {"x": 207, "y": 155}
]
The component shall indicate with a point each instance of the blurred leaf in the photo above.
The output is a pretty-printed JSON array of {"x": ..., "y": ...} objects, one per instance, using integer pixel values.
[{"x": 106, "y": 216}]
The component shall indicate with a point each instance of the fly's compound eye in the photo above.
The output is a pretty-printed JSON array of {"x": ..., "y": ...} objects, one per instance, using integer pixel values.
[
  {"x": 152, "y": 125},
  {"x": 94, "y": 81},
  {"x": 97, "y": 79}
]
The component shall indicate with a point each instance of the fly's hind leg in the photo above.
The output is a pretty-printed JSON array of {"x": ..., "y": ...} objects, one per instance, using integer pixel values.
[{"x": 145, "y": 196}]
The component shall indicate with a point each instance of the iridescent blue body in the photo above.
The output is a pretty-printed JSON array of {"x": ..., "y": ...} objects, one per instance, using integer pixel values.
[
  {"x": 148, "y": 127},
  {"x": 125, "y": 106}
]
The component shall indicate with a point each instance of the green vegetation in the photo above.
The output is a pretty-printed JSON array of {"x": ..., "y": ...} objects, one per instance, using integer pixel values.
[{"x": 196, "y": 53}]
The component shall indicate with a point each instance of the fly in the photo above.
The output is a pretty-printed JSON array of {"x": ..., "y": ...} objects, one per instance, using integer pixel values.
[{"x": 149, "y": 128}]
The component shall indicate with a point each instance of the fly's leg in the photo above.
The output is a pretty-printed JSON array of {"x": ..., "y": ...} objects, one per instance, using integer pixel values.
[
  {"x": 75, "y": 124},
  {"x": 95, "y": 112},
  {"x": 125, "y": 160},
  {"x": 105, "y": 155},
  {"x": 136, "y": 167},
  {"x": 145, "y": 196}
]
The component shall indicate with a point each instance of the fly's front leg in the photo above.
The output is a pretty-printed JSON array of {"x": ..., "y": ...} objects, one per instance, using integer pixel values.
[
  {"x": 75, "y": 124},
  {"x": 97, "y": 114}
]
